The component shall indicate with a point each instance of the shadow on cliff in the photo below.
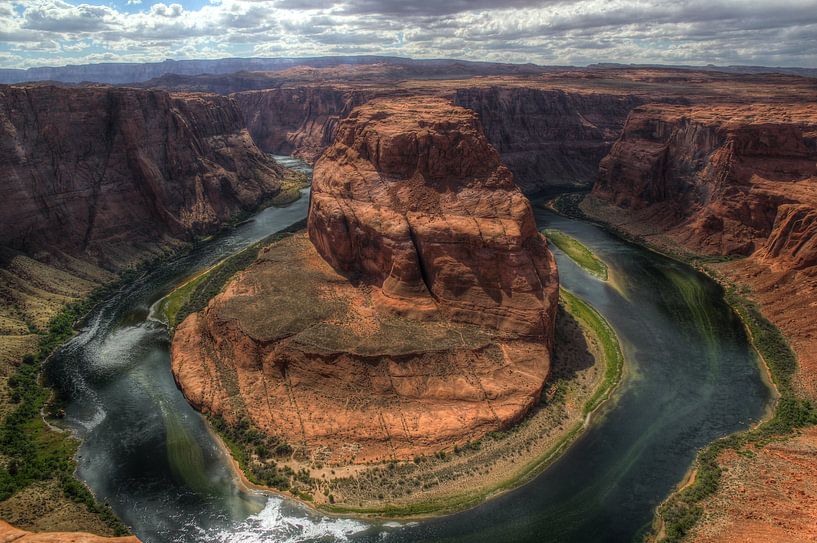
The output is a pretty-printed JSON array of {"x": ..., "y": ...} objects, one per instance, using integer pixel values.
[{"x": 571, "y": 353}]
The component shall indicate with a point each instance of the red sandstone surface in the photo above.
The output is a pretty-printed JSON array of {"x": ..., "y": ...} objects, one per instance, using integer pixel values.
[
  {"x": 9, "y": 534},
  {"x": 421, "y": 318},
  {"x": 730, "y": 180},
  {"x": 98, "y": 171},
  {"x": 413, "y": 198},
  {"x": 551, "y": 126},
  {"x": 765, "y": 498}
]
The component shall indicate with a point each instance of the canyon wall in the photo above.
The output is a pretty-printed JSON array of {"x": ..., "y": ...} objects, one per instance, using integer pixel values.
[
  {"x": 738, "y": 183},
  {"x": 722, "y": 180},
  {"x": 297, "y": 120},
  {"x": 95, "y": 171},
  {"x": 418, "y": 318},
  {"x": 546, "y": 137},
  {"x": 549, "y": 137},
  {"x": 727, "y": 181}
]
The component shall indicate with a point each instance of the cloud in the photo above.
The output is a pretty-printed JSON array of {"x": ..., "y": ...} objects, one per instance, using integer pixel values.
[
  {"x": 417, "y": 8},
  {"x": 58, "y": 16},
  {"x": 35, "y": 32},
  {"x": 162, "y": 10}
]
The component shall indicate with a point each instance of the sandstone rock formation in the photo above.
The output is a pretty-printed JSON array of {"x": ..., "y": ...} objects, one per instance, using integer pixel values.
[
  {"x": 297, "y": 120},
  {"x": 97, "y": 171},
  {"x": 419, "y": 318},
  {"x": 740, "y": 181},
  {"x": 9, "y": 534},
  {"x": 549, "y": 137},
  {"x": 723, "y": 180},
  {"x": 546, "y": 137},
  {"x": 728, "y": 180},
  {"x": 412, "y": 198}
]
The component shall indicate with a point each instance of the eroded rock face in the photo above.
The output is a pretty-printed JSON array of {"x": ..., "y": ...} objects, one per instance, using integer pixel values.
[
  {"x": 546, "y": 137},
  {"x": 549, "y": 137},
  {"x": 97, "y": 171},
  {"x": 413, "y": 198},
  {"x": 299, "y": 120},
  {"x": 725, "y": 180},
  {"x": 10, "y": 533},
  {"x": 419, "y": 317},
  {"x": 737, "y": 180}
]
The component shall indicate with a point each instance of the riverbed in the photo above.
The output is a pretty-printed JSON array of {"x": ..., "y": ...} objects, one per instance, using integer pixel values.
[{"x": 690, "y": 377}]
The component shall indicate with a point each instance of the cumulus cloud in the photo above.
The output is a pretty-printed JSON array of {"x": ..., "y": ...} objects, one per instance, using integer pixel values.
[
  {"x": 34, "y": 32},
  {"x": 162, "y": 10}
]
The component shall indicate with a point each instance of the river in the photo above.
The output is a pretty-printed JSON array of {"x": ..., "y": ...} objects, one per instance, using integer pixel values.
[{"x": 690, "y": 377}]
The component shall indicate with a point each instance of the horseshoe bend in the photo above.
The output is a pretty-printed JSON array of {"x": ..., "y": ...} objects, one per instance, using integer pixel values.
[{"x": 415, "y": 316}]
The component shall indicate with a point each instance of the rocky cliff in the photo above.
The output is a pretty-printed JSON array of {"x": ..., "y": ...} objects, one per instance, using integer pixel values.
[
  {"x": 97, "y": 171},
  {"x": 419, "y": 318},
  {"x": 549, "y": 137},
  {"x": 722, "y": 180},
  {"x": 727, "y": 180},
  {"x": 546, "y": 137},
  {"x": 413, "y": 198},
  {"x": 297, "y": 120}
]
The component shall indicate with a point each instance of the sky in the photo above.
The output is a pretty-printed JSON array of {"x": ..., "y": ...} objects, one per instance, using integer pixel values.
[{"x": 576, "y": 32}]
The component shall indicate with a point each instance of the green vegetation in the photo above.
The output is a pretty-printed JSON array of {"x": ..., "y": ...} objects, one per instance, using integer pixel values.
[
  {"x": 257, "y": 454},
  {"x": 291, "y": 187},
  {"x": 613, "y": 359},
  {"x": 194, "y": 294},
  {"x": 567, "y": 204},
  {"x": 683, "y": 510},
  {"x": 577, "y": 251},
  {"x": 34, "y": 452}
]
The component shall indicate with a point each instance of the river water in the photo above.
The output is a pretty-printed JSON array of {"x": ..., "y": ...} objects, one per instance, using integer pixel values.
[{"x": 690, "y": 377}]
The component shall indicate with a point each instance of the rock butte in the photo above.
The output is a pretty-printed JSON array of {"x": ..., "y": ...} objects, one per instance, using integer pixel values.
[{"x": 420, "y": 317}]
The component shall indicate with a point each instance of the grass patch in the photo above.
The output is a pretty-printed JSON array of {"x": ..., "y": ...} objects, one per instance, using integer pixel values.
[
  {"x": 578, "y": 252},
  {"x": 291, "y": 187},
  {"x": 683, "y": 509},
  {"x": 613, "y": 357}
]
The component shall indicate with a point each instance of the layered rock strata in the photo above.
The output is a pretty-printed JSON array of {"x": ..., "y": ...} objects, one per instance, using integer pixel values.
[
  {"x": 97, "y": 171},
  {"x": 416, "y": 316},
  {"x": 722, "y": 180},
  {"x": 728, "y": 180},
  {"x": 549, "y": 137},
  {"x": 735, "y": 181}
]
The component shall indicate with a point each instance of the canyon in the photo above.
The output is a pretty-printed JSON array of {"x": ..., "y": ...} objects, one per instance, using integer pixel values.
[
  {"x": 99, "y": 179},
  {"x": 96, "y": 181},
  {"x": 737, "y": 184},
  {"x": 420, "y": 310},
  {"x": 733, "y": 181},
  {"x": 422, "y": 292}
]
